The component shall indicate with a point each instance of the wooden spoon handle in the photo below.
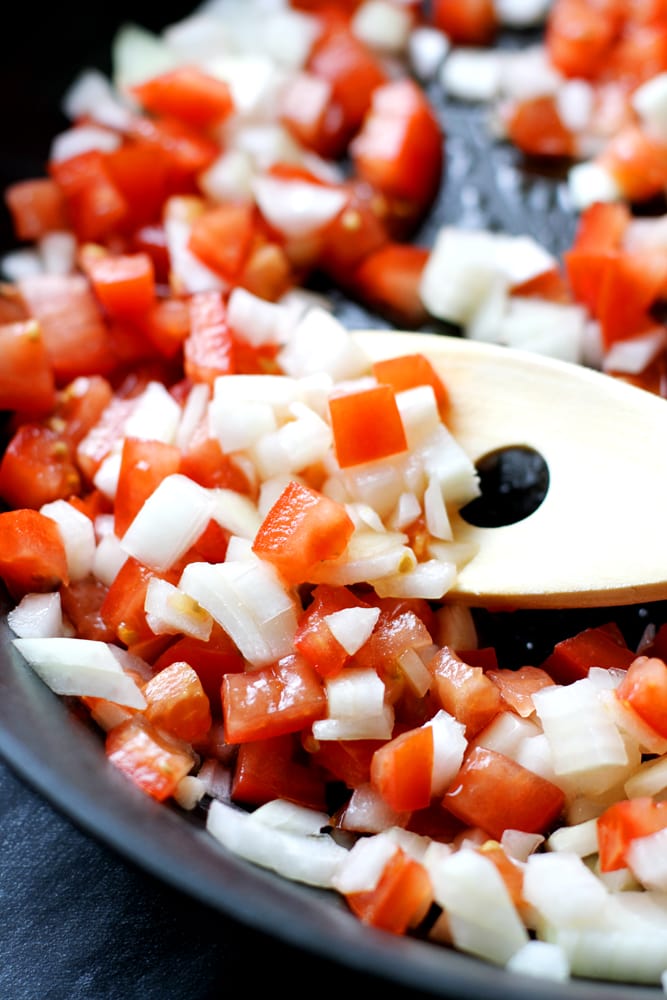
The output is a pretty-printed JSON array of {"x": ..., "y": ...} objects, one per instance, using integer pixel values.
[{"x": 599, "y": 537}]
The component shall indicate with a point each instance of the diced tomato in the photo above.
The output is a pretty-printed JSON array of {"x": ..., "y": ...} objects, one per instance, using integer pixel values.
[
  {"x": 81, "y": 602},
  {"x": 495, "y": 793},
  {"x": 644, "y": 690},
  {"x": 537, "y": 129},
  {"x": 123, "y": 283},
  {"x": 209, "y": 348},
  {"x": 599, "y": 646},
  {"x": 308, "y": 111},
  {"x": 222, "y": 238},
  {"x": 184, "y": 150},
  {"x": 399, "y": 149},
  {"x": 464, "y": 691},
  {"x": 186, "y": 93},
  {"x": 123, "y": 606},
  {"x": 402, "y": 769},
  {"x": 32, "y": 553},
  {"x": 211, "y": 660},
  {"x": 351, "y": 68},
  {"x": 268, "y": 272},
  {"x": 143, "y": 466},
  {"x": 81, "y": 404},
  {"x": 76, "y": 337},
  {"x": 348, "y": 761},
  {"x": 166, "y": 325},
  {"x": 517, "y": 687},
  {"x": 639, "y": 54},
  {"x": 580, "y": 37},
  {"x": 397, "y": 629},
  {"x": 37, "y": 207},
  {"x": 401, "y": 899},
  {"x": 485, "y": 657},
  {"x": 367, "y": 425},
  {"x": 141, "y": 175},
  {"x": 314, "y": 639},
  {"x": 409, "y": 371},
  {"x": 550, "y": 285},
  {"x": 267, "y": 769},
  {"x": 637, "y": 160},
  {"x": 96, "y": 444},
  {"x": 151, "y": 238},
  {"x": 150, "y": 758},
  {"x": 623, "y": 822},
  {"x": 466, "y": 22},
  {"x": 358, "y": 231},
  {"x": 631, "y": 284},
  {"x": 206, "y": 463},
  {"x": 37, "y": 467},
  {"x": 389, "y": 281},
  {"x": 302, "y": 528},
  {"x": 26, "y": 376},
  {"x": 282, "y": 698},
  {"x": 177, "y": 702},
  {"x": 95, "y": 206}
]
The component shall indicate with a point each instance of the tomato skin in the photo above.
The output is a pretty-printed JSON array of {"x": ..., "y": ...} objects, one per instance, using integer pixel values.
[
  {"x": 124, "y": 284},
  {"x": 302, "y": 528},
  {"x": 518, "y": 686},
  {"x": 536, "y": 128},
  {"x": 209, "y": 348},
  {"x": 37, "y": 467},
  {"x": 495, "y": 793},
  {"x": 401, "y": 898},
  {"x": 621, "y": 823},
  {"x": 389, "y": 280},
  {"x": 366, "y": 425},
  {"x": 26, "y": 376},
  {"x": 186, "y": 93},
  {"x": 267, "y": 769},
  {"x": 177, "y": 702},
  {"x": 32, "y": 553},
  {"x": 466, "y": 22},
  {"x": 464, "y": 691},
  {"x": 599, "y": 646},
  {"x": 282, "y": 698},
  {"x": 644, "y": 690},
  {"x": 222, "y": 238},
  {"x": 150, "y": 758},
  {"x": 401, "y": 770}
]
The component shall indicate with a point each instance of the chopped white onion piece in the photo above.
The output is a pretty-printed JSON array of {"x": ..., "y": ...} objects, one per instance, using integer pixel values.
[
  {"x": 58, "y": 252},
  {"x": 635, "y": 354},
  {"x": 83, "y": 667},
  {"x": 575, "y": 104},
  {"x": 351, "y": 627},
  {"x": 382, "y": 25},
  {"x": 229, "y": 177},
  {"x": 647, "y": 860},
  {"x": 429, "y": 580},
  {"x": 310, "y": 859},
  {"x": 588, "y": 182},
  {"x": 427, "y": 49},
  {"x": 194, "y": 411},
  {"x": 83, "y": 139},
  {"x": 472, "y": 74},
  {"x": 542, "y": 959},
  {"x": 320, "y": 343},
  {"x": 189, "y": 791},
  {"x": 169, "y": 522},
  {"x": 650, "y": 778},
  {"x": 37, "y": 616},
  {"x": 367, "y": 812},
  {"x": 649, "y": 100},
  {"x": 299, "y": 443},
  {"x": 22, "y": 263},
  {"x": 169, "y": 611},
  {"x": 563, "y": 890},
  {"x": 155, "y": 415},
  {"x": 482, "y": 918},
  {"x": 256, "y": 320},
  {"x": 78, "y": 536},
  {"x": 137, "y": 55},
  {"x": 297, "y": 208},
  {"x": 91, "y": 96},
  {"x": 505, "y": 734},
  {"x": 283, "y": 815},
  {"x": 519, "y": 845},
  {"x": 449, "y": 746},
  {"x": 109, "y": 558},
  {"x": 364, "y": 864},
  {"x": 522, "y": 13},
  {"x": 580, "y": 839},
  {"x": 416, "y": 673},
  {"x": 369, "y": 556},
  {"x": 246, "y": 598}
]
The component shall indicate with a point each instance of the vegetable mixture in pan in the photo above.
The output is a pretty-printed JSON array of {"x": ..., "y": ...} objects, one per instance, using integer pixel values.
[{"x": 227, "y": 525}]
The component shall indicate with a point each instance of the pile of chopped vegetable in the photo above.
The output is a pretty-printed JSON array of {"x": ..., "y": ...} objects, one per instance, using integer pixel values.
[{"x": 227, "y": 526}]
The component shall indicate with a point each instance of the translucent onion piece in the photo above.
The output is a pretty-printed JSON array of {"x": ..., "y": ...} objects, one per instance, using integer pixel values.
[
  {"x": 37, "y": 616},
  {"x": 78, "y": 536},
  {"x": 169, "y": 522}
]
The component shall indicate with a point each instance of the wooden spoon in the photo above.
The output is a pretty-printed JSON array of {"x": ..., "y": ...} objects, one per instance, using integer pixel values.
[{"x": 600, "y": 535}]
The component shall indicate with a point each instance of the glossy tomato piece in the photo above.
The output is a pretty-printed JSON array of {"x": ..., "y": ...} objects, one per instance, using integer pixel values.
[
  {"x": 517, "y": 687},
  {"x": 599, "y": 646},
  {"x": 389, "y": 280},
  {"x": 95, "y": 206},
  {"x": 81, "y": 602},
  {"x": 209, "y": 348},
  {"x": 124, "y": 284},
  {"x": 644, "y": 690},
  {"x": 637, "y": 160},
  {"x": 537, "y": 129},
  {"x": 37, "y": 207},
  {"x": 347, "y": 761},
  {"x": 32, "y": 553},
  {"x": 464, "y": 691},
  {"x": 495, "y": 793},
  {"x": 401, "y": 770},
  {"x": 622, "y": 823},
  {"x": 282, "y": 698},
  {"x": 314, "y": 640},
  {"x": 222, "y": 238},
  {"x": 268, "y": 769},
  {"x": 123, "y": 606},
  {"x": 366, "y": 425},
  {"x": 37, "y": 467},
  {"x": 302, "y": 528},
  {"x": 150, "y": 758},
  {"x": 211, "y": 660},
  {"x": 410, "y": 371},
  {"x": 466, "y": 22},
  {"x": 142, "y": 177},
  {"x": 580, "y": 36},
  {"x": 143, "y": 466},
  {"x": 26, "y": 376},
  {"x": 401, "y": 899},
  {"x": 177, "y": 702},
  {"x": 186, "y": 93}
]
